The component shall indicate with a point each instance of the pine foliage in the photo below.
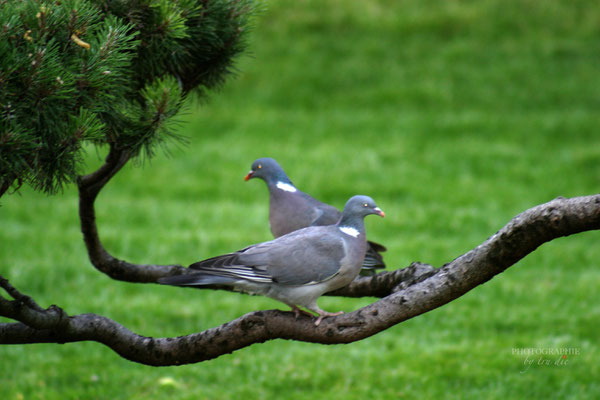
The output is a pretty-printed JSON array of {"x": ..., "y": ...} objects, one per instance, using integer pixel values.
[{"x": 110, "y": 72}]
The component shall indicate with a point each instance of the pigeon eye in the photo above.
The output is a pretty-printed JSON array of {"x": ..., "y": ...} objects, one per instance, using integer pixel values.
[
  {"x": 259, "y": 166},
  {"x": 365, "y": 205}
]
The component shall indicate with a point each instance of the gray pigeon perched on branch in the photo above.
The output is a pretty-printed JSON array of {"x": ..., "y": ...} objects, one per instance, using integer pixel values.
[
  {"x": 295, "y": 268},
  {"x": 290, "y": 209}
]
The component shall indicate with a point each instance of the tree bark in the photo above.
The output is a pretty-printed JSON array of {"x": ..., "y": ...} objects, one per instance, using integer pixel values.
[
  {"x": 425, "y": 290},
  {"x": 89, "y": 187}
]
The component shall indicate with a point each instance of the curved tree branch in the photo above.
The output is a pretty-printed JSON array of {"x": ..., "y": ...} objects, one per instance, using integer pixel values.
[
  {"x": 89, "y": 187},
  {"x": 431, "y": 289}
]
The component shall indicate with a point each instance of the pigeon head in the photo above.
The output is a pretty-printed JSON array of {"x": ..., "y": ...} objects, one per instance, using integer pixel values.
[
  {"x": 268, "y": 170},
  {"x": 361, "y": 206}
]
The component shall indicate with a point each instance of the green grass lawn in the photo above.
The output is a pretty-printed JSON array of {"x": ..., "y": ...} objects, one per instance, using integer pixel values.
[{"x": 454, "y": 116}]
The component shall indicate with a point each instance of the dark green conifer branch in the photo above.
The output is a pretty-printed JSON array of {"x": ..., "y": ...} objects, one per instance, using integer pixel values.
[{"x": 104, "y": 72}]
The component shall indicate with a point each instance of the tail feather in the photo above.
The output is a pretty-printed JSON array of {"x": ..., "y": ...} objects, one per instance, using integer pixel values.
[
  {"x": 376, "y": 247},
  {"x": 373, "y": 259},
  {"x": 226, "y": 269},
  {"x": 222, "y": 261},
  {"x": 196, "y": 280},
  {"x": 216, "y": 262}
]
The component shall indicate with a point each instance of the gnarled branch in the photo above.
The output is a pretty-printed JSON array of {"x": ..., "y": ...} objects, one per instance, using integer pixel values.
[
  {"x": 429, "y": 290},
  {"x": 89, "y": 187}
]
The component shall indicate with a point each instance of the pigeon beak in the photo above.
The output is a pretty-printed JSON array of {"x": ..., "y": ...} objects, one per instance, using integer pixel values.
[
  {"x": 379, "y": 212},
  {"x": 249, "y": 175}
]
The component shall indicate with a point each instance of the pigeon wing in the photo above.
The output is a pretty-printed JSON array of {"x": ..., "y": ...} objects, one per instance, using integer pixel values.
[
  {"x": 305, "y": 256},
  {"x": 309, "y": 255}
]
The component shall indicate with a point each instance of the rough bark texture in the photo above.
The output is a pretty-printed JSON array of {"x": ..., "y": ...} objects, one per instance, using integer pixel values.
[{"x": 405, "y": 293}]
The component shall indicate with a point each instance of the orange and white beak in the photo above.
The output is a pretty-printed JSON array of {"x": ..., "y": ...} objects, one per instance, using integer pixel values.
[
  {"x": 249, "y": 175},
  {"x": 379, "y": 212}
]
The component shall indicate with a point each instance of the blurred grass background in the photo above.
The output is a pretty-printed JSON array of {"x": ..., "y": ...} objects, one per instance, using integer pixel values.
[{"x": 454, "y": 116}]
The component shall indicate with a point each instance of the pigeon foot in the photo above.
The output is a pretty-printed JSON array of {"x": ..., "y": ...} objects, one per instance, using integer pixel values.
[
  {"x": 298, "y": 311},
  {"x": 324, "y": 314}
]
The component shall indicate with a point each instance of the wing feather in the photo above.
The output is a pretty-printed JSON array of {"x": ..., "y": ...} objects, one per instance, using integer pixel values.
[{"x": 307, "y": 255}]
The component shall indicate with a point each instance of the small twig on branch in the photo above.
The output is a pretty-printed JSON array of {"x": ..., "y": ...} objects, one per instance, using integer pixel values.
[
  {"x": 429, "y": 290},
  {"x": 24, "y": 309},
  {"x": 18, "y": 296}
]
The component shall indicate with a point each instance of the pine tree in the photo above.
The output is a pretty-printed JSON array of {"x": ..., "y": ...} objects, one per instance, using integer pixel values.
[{"x": 106, "y": 72}]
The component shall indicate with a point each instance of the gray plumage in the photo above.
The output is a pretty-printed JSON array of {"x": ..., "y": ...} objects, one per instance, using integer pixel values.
[
  {"x": 291, "y": 209},
  {"x": 295, "y": 268}
]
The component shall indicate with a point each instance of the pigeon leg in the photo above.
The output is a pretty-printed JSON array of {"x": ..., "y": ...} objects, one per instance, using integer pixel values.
[
  {"x": 297, "y": 311},
  {"x": 322, "y": 313}
]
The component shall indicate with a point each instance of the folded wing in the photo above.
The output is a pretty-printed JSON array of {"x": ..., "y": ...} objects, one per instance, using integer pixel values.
[{"x": 306, "y": 256}]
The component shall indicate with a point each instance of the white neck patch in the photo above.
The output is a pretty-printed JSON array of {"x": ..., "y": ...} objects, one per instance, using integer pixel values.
[
  {"x": 348, "y": 230},
  {"x": 286, "y": 186}
]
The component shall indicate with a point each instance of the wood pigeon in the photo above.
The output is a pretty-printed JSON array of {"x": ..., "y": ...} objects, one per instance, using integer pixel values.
[
  {"x": 295, "y": 268},
  {"x": 290, "y": 209}
]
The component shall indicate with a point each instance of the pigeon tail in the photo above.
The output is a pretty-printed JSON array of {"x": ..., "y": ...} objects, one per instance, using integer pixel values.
[
  {"x": 373, "y": 260},
  {"x": 196, "y": 280}
]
